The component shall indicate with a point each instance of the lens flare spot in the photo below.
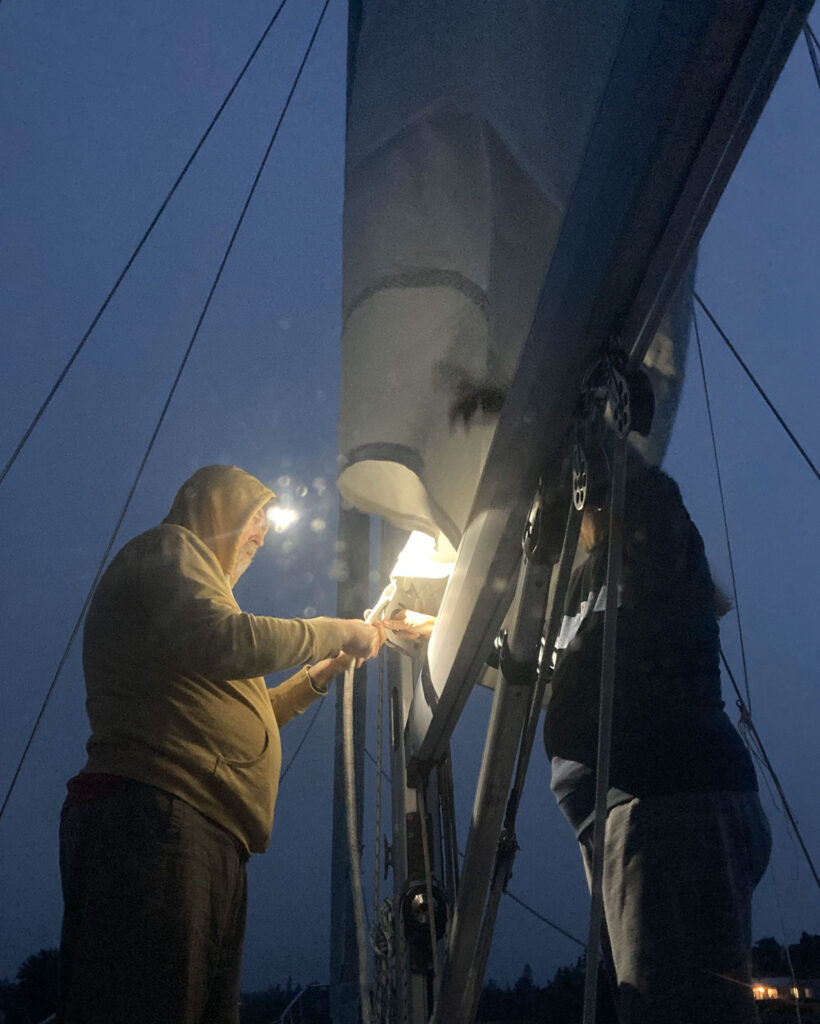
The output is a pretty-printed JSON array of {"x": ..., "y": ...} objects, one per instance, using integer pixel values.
[{"x": 281, "y": 518}]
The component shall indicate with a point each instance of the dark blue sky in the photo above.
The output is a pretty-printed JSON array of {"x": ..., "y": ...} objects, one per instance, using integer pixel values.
[{"x": 100, "y": 105}]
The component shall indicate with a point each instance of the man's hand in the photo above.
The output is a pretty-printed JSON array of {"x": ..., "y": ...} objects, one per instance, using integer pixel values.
[
  {"x": 325, "y": 671},
  {"x": 413, "y": 625},
  {"x": 360, "y": 639}
]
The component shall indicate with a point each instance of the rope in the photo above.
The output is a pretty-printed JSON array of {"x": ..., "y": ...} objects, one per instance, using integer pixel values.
[
  {"x": 754, "y": 381},
  {"x": 447, "y": 801},
  {"x": 814, "y": 46},
  {"x": 377, "y": 853},
  {"x": 786, "y": 949},
  {"x": 613, "y": 576},
  {"x": 383, "y": 963},
  {"x": 354, "y": 859},
  {"x": 301, "y": 743},
  {"x": 748, "y": 724},
  {"x": 351, "y": 812},
  {"x": 723, "y": 509},
  {"x": 384, "y": 774},
  {"x": 545, "y": 920},
  {"x": 21, "y": 444},
  {"x": 428, "y": 886},
  {"x": 160, "y": 421}
]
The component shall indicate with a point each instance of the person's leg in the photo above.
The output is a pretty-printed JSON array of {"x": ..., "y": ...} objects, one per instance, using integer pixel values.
[
  {"x": 150, "y": 887},
  {"x": 678, "y": 879},
  {"x": 223, "y": 998}
]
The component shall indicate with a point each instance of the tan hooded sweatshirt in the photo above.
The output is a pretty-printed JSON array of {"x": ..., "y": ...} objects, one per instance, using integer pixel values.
[{"x": 173, "y": 667}]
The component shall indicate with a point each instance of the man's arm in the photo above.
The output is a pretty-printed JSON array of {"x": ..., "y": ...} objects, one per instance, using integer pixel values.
[
  {"x": 196, "y": 624},
  {"x": 296, "y": 694}
]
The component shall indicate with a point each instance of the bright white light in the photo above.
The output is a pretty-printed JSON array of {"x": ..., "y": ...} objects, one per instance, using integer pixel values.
[
  {"x": 419, "y": 560},
  {"x": 281, "y": 518}
]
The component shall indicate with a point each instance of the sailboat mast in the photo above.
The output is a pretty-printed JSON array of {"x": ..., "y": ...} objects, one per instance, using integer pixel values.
[{"x": 354, "y": 553}]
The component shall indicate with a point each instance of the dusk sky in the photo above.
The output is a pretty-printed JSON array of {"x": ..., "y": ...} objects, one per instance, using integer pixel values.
[{"x": 101, "y": 104}]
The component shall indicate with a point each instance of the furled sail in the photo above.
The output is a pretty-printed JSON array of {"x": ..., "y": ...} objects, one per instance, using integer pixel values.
[{"x": 467, "y": 125}]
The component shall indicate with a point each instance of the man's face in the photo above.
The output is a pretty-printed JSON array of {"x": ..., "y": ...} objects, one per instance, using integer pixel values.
[{"x": 250, "y": 540}]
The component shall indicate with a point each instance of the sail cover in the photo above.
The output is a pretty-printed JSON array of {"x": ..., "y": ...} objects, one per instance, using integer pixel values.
[{"x": 467, "y": 124}]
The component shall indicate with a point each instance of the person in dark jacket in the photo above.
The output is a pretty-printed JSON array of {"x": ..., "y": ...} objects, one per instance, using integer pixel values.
[{"x": 686, "y": 839}]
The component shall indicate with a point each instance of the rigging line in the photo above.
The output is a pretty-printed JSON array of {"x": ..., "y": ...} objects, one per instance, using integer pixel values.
[
  {"x": 385, "y": 776},
  {"x": 301, "y": 743},
  {"x": 428, "y": 886},
  {"x": 749, "y": 724},
  {"x": 754, "y": 381},
  {"x": 614, "y": 569},
  {"x": 723, "y": 509},
  {"x": 162, "y": 416},
  {"x": 545, "y": 920},
  {"x": 377, "y": 861},
  {"x": 516, "y": 899},
  {"x": 353, "y": 852},
  {"x": 786, "y": 950},
  {"x": 771, "y": 874},
  {"x": 539, "y": 915},
  {"x": 751, "y": 746},
  {"x": 814, "y": 46},
  {"x": 24, "y": 439}
]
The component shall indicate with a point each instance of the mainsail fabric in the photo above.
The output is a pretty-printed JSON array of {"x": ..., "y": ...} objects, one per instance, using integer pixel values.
[{"x": 467, "y": 123}]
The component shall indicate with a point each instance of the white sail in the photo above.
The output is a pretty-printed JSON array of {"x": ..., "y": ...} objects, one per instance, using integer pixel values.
[{"x": 467, "y": 125}]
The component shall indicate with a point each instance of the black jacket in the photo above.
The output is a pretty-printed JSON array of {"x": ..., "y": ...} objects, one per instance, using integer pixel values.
[{"x": 670, "y": 732}]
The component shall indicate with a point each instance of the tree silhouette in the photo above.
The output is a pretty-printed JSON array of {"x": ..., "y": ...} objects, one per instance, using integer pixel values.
[
  {"x": 524, "y": 983},
  {"x": 38, "y": 981},
  {"x": 768, "y": 959},
  {"x": 806, "y": 956}
]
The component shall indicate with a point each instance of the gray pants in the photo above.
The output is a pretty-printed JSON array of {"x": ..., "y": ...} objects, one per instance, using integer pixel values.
[
  {"x": 155, "y": 898},
  {"x": 679, "y": 872}
]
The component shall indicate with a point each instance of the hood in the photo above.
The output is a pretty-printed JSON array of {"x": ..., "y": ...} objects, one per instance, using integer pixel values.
[{"x": 215, "y": 504}]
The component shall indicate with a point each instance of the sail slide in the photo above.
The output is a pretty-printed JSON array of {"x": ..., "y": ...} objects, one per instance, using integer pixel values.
[{"x": 526, "y": 183}]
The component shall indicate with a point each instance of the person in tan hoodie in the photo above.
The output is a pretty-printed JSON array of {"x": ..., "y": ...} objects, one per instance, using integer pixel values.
[{"x": 183, "y": 761}]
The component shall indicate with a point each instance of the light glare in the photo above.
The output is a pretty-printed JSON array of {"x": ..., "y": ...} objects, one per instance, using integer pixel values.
[
  {"x": 281, "y": 518},
  {"x": 418, "y": 559}
]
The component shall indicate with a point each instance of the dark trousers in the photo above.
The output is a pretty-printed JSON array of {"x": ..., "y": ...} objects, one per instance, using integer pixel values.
[
  {"x": 155, "y": 897},
  {"x": 679, "y": 872}
]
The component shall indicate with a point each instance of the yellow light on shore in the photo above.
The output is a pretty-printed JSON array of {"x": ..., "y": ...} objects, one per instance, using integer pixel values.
[{"x": 281, "y": 518}]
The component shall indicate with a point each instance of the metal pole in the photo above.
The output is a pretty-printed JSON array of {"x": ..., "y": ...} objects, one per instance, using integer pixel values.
[
  {"x": 511, "y": 705},
  {"x": 412, "y": 965},
  {"x": 508, "y": 845},
  {"x": 352, "y": 599}
]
